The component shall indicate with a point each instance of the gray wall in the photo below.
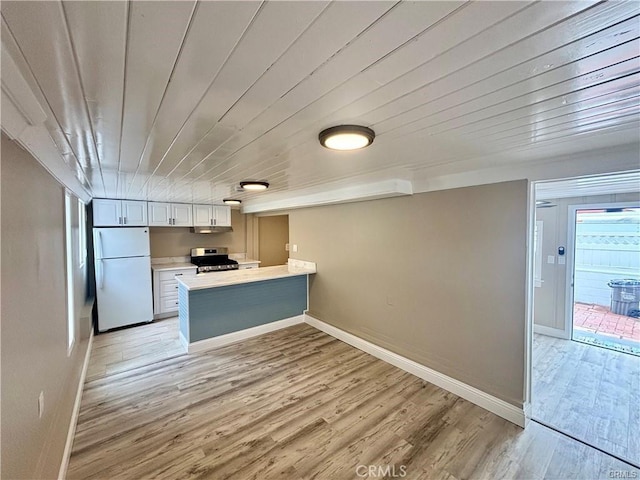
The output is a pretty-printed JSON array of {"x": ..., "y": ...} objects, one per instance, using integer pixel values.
[
  {"x": 34, "y": 318},
  {"x": 437, "y": 277},
  {"x": 549, "y": 302}
]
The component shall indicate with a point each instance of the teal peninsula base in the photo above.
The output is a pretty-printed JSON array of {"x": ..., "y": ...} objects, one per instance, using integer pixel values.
[{"x": 223, "y": 308}]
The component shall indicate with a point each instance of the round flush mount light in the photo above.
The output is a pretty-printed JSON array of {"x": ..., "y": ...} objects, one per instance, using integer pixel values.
[
  {"x": 249, "y": 185},
  {"x": 231, "y": 201},
  {"x": 346, "y": 137}
]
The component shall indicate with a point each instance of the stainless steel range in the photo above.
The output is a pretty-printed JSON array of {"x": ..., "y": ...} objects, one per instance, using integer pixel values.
[{"x": 213, "y": 259}]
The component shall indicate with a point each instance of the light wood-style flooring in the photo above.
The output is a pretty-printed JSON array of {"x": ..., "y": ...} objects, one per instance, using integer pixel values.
[
  {"x": 122, "y": 350},
  {"x": 299, "y": 404},
  {"x": 589, "y": 392}
]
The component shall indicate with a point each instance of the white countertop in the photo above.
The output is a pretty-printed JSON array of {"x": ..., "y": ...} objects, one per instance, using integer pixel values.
[
  {"x": 161, "y": 267},
  {"x": 236, "y": 277}
]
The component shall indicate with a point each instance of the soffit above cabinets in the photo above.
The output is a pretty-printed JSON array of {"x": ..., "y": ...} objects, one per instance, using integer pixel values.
[{"x": 181, "y": 100}]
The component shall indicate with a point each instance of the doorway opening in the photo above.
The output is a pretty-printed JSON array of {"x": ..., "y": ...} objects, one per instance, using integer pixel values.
[
  {"x": 606, "y": 277},
  {"x": 585, "y": 260},
  {"x": 273, "y": 240}
]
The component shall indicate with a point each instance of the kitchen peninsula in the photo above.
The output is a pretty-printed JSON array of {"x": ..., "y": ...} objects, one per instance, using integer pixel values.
[{"x": 223, "y": 307}]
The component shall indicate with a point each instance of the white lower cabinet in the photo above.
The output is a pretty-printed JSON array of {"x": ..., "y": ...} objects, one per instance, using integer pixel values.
[
  {"x": 245, "y": 266},
  {"x": 165, "y": 289}
]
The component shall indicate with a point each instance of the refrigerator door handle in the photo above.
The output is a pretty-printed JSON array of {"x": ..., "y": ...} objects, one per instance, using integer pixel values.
[
  {"x": 99, "y": 244},
  {"x": 101, "y": 276}
]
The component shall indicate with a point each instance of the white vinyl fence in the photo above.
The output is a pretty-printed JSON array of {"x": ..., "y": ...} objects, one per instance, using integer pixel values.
[{"x": 607, "y": 248}]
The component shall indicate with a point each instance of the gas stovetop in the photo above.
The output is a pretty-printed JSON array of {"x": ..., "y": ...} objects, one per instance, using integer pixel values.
[{"x": 214, "y": 259}]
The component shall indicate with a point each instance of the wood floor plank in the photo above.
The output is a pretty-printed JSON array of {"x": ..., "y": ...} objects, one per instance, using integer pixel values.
[
  {"x": 298, "y": 404},
  {"x": 588, "y": 392}
]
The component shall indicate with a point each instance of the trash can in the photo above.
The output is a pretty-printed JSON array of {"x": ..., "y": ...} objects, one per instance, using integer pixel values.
[{"x": 625, "y": 295}]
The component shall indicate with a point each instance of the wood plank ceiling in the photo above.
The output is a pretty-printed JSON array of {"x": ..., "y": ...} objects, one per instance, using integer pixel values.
[{"x": 182, "y": 100}]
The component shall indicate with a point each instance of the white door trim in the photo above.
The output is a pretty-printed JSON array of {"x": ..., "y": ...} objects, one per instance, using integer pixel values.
[{"x": 529, "y": 298}]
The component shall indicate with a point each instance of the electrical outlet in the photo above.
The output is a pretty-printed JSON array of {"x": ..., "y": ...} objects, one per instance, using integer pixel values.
[
  {"x": 286, "y": 247},
  {"x": 295, "y": 247},
  {"x": 40, "y": 404}
]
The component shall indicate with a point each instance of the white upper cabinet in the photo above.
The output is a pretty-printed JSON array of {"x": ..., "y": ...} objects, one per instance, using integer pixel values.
[
  {"x": 170, "y": 214},
  {"x": 159, "y": 214},
  {"x": 119, "y": 213},
  {"x": 202, "y": 215},
  {"x": 222, "y": 216},
  {"x": 211, "y": 216},
  {"x": 107, "y": 213},
  {"x": 181, "y": 213},
  {"x": 134, "y": 213}
]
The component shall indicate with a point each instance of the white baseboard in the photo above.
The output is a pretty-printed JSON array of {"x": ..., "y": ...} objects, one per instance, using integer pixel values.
[
  {"x": 488, "y": 402},
  {"x": 549, "y": 331},
  {"x": 233, "y": 337},
  {"x": 62, "y": 473}
]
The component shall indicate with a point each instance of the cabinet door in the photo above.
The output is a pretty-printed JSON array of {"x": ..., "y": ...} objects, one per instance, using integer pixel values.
[
  {"x": 202, "y": 215},
  {"x": 159, "y": 214},
  {"x": 134, "y": 213},
  {"x": 182, "y": 215},
  {"x": 222, "y": 217},
  {"x": 107, "y": 213}
]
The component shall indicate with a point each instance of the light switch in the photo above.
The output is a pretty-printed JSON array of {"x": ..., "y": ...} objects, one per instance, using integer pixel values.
[
  {"x": 551, "y": 259},
  {"x": 295, "y": 247},
  {"x": 561, "y": 261}
]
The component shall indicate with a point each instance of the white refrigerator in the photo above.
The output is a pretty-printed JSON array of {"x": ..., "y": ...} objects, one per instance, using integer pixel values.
[{"x": 123, "y": 276}]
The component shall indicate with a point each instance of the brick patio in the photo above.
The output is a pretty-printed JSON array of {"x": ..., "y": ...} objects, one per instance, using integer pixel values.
[{"x": 598, "y": 319}]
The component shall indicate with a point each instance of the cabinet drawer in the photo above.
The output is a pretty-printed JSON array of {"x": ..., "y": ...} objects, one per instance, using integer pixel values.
[
  {"x": 169, "y": 304},
  {"x": 172, "y": 274},
  {"x": 168, "y": 287}
]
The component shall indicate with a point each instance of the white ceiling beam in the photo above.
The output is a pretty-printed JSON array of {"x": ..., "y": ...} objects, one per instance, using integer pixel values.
[{"x": 353, "y": 193}]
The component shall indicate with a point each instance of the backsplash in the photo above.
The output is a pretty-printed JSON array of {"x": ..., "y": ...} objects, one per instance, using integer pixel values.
[{"x": 165, "y": 260}]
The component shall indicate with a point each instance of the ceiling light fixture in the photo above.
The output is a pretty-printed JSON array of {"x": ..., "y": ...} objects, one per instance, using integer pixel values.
[
  {"x": 231, "y": 201},
  {"x": 249, "y": 185},
  {"x": 346, "y": 137}
]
